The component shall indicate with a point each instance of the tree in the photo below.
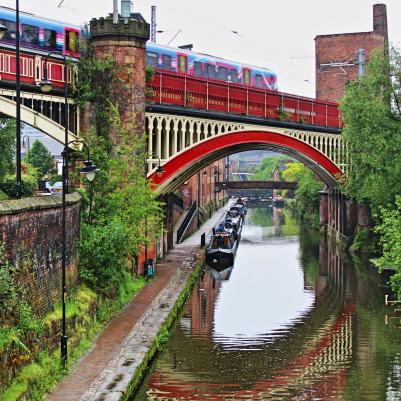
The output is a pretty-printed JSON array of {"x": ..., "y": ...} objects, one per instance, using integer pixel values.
[
  {"x": 390, "y": 240},
  {"x": 371, "y": 112},
  {"x": 7, "y": 146},
  {"x": 265, "y": 170},
  {"x": 40, "y": 158},
  {"x": 307, "y": 192}
]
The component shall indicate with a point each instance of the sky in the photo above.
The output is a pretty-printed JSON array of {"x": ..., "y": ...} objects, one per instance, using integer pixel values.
[{"x": 275, "y": 34}]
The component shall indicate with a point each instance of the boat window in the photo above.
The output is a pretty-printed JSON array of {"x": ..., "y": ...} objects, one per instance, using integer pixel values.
[
  {"x": 223, "y": 73},
  {"x": 259, "y": 81},
  {"x": 198, "y": 69},
  {"x": 233, "y": 75},
  {"x": 152, "y": 59},
  {"x": 71, "y": 41},
  {"x": 50, "y": 39},
  {"x": 166, "y": 61},
  {"x": 211, "y": 71},
  {"x": 182, "y": 64},
  {"x": 30, "y": 34},
  {"x": 11, "y": 29}
]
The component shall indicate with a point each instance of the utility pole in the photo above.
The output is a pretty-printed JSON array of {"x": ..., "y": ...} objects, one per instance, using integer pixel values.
[
  {"x": 115, "y": 11},
  {"x": 361, "y": 63},
  {"x": 153, "y": 25}
]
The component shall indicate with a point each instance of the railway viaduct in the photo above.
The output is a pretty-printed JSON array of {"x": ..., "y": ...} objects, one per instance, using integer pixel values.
[{"x": 192, "y": 123}]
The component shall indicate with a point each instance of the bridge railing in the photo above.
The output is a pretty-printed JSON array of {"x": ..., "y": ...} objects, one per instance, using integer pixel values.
[{"x": 182, "y": 90}]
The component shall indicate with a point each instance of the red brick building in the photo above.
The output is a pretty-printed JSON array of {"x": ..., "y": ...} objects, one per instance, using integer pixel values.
[{"x": 337, "y": 55}]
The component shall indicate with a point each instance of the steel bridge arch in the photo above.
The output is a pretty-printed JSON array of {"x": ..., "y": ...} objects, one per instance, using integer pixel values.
[
  {"x": 189, "y": 161},
  {"x": 36, "y": 120}
]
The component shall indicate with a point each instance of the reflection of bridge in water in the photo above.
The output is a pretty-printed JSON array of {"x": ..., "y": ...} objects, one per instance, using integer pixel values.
[{"x": 309, "y": 360}]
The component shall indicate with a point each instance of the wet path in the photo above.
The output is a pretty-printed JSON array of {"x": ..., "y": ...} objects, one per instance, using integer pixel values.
[{"x": 293, "y": 320}]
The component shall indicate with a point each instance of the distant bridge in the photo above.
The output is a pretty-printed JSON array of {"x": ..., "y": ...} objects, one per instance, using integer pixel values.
[{"x": 256, "y": 185}]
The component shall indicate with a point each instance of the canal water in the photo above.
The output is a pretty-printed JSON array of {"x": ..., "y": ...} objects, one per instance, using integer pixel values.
[{"x": 294, "y": 319}]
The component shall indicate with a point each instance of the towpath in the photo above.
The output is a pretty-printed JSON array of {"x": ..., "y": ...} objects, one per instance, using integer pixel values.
[{"x": 91, "y": 375}]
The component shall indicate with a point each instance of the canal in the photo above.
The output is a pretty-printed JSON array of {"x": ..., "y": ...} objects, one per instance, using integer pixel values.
[{"x": 295, "y": 319}]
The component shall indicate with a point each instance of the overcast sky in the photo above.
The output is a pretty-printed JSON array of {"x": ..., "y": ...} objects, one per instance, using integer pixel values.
[{"x": 275, "y": 34}]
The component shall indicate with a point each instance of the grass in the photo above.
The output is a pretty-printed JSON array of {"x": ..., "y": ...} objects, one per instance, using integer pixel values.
[{"x": 37, "y": 379}]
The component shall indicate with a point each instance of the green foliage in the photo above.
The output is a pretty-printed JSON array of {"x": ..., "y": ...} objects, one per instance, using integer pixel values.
[
  {"x": 29, "y": 182},
  {"x": 120, "y": 212},
  {"x": 40, "y": 158},
  {"x": 265, "y": 169},
  {"x": 7, "y": 146},
  {"x": 371, "y": 113},
  {"x": 16, "y": 315},
  {"x": 390, "y": 231},
  {"x": 9, "y": 291},
  {"x": 3, "y": 196},
  {"x": 103, "y": 253},
  {"x": 307, "y": 193},
  {"x": 95, "y": 83}
]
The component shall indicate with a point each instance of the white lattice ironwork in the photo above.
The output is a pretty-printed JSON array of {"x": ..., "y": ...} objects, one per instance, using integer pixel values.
[
  {"x": 33, "y": 113},
  {"x": 169, "y": 135}
]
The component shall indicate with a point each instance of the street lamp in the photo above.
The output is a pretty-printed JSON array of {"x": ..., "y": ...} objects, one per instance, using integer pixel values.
[
  {"x": 3, "y": 30},
  {"x": 159, "y": 169},
  {"x": 46, "y": 86}
]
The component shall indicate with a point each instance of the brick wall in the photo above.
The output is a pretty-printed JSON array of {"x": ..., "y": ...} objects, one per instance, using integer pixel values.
[
  {"x": 333, "y": 50},
  {"x": 31, "y": 231},
  {"x": 125, "y": 43}
]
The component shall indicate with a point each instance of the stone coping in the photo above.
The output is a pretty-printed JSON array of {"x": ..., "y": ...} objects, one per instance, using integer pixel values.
[{"x": 16, "y": 206}]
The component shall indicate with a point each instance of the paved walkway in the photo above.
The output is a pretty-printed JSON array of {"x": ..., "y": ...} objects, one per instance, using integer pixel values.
[{"x": 109, "y": 343}]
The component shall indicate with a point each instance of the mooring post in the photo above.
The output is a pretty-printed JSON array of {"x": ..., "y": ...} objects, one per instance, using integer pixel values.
[{"x": 203, "y": 240}]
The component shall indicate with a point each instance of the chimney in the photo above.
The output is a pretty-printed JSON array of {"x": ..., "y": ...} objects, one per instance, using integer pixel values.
[
  {"x": 380, "y": 20},
  {"x": 126, "y": 9}
]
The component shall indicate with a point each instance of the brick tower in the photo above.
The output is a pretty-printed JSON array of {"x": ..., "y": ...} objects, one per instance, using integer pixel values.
[
  {"x": 124, "y": 42},
  {"x": 339, "y": 56}
]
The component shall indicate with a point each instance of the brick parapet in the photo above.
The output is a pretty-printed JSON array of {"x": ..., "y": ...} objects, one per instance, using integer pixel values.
[{"x": 30, "y": 229}]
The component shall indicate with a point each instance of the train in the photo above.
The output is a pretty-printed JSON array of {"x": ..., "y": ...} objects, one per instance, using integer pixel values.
[
  {"x": 208, "y": 67},
  {"x": 40, "y": 36}
]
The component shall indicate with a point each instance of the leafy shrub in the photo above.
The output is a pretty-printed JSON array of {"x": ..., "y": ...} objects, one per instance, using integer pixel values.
[
  {"x": 390, "y": 231},
  {"x": 103, "y": 251},
  {"x": 3, "y": 196},
  {"x": 29, "y": 182}
]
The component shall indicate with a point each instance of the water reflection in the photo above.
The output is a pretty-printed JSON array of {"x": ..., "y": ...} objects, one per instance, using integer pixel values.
[{"x": 296, "y": 320}]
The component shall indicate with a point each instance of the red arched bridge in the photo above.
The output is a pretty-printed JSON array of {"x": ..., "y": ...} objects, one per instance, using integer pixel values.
[{"x": 192, "y": 122}]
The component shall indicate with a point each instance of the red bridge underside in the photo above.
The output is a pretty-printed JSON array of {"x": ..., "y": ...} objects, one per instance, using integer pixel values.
[{"x": 188, "y": 162}]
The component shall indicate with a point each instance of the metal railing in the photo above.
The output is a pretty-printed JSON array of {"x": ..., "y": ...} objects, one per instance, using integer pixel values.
[
  {"x": 192, "y": 92},
  {"x": 185, "y": 224}
]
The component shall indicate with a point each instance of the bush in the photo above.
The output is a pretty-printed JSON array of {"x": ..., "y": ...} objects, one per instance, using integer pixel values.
[
  {"x": 29, "y": 182},
  {"x": 390, "y": 240},
  {"x": 103, "y": 261},
  {"x": 3, "y": 196}
]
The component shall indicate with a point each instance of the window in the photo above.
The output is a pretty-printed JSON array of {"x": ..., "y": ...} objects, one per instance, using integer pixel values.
[
  {"x": 11, "y": 29},
  {"x": 211, "y": 71},
  {"x": 233, "y": 76},
  {"x": 198, "y": 69},
  {"x": 152, "y": 59},
  {"x": 50, "y": 39},
  {"x": 259, "y": 81},
  {"x": 246, "y": 77},
  {"x": 223, "y": 73},
  {"x": 166, "y": 61},
  {"x": 182, "y": 64},
  {"x": 30, "y": 34},
  {"x": 71, "y": 41}
]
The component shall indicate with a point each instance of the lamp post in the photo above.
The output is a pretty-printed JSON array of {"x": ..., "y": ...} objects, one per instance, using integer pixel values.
[
  {"x": 159, "y": 171},
  {"x": 3, "y": 29},
  {"x": 46, "y": 86}
]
